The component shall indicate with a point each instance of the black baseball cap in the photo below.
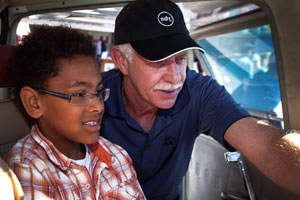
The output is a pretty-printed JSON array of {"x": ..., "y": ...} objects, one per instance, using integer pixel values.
[{"x": 154, "y": 28}]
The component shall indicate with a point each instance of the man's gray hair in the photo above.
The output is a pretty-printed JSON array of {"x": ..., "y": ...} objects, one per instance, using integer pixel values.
[{"x": 127, "y": 51}]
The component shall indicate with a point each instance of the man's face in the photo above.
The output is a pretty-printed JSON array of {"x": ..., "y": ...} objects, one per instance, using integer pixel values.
[
  {"x": 157, "y": 83},
  {"x": 64, "y": 124}
]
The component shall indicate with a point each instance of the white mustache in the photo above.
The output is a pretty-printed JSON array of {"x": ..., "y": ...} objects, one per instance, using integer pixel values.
[{"x": 168, "y": 86}]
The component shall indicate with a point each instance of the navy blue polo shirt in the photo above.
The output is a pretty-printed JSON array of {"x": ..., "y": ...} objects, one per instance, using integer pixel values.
[{"x": 162, "y": 156}]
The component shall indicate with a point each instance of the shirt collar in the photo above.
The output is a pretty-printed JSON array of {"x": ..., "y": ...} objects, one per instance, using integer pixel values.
[
  {"x": 60, "y": 159},
  {"x": 101, "y": 153},
  {"x": 53, "y": 153}
]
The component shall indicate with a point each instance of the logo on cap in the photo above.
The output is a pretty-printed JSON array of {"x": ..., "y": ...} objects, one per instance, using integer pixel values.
[{"x": 165, "y": 18}]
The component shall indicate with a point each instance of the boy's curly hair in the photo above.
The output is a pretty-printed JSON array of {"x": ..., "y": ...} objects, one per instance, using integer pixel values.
[{"x": 36, "y": 59}]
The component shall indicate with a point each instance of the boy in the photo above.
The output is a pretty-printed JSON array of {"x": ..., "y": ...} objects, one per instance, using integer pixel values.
[{"x": 58, "y": 83}]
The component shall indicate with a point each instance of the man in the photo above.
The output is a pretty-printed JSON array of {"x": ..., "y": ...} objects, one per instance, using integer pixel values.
[{"x": 158, "y": 106}]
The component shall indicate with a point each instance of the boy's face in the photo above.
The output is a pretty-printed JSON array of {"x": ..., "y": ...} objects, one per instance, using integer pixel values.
[{"x": 64, "y": 124}]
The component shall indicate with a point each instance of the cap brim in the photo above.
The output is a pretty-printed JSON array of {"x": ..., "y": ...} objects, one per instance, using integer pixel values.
[{"x": 161, "y": 48}]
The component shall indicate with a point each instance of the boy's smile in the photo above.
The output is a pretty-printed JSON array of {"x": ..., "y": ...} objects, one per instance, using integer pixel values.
[{"x": 69, "y": 125}]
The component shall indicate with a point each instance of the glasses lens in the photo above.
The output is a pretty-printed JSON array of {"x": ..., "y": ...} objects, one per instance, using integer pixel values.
[
  {"x": 87, "y": 98},
  {"x": 80, "y": 98},
  {"x": 103, "y": 94}
]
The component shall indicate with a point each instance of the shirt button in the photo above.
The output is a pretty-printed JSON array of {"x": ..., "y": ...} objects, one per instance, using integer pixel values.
[
  {"x": 147, "y": 147},
  {"x": 87, "y": 186}
]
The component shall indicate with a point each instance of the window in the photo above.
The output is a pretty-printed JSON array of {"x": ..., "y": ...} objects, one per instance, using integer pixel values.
[{"x": 244, "y": 62}]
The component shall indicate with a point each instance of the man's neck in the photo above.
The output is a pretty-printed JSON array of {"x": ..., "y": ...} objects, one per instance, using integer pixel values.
[{"x": 143, "y": 114}]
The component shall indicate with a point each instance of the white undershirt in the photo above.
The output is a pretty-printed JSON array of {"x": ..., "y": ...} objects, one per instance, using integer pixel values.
[{"x": 86, "y": 161}]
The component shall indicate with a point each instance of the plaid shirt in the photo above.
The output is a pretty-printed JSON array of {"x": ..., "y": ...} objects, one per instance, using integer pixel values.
[{"x": 45, "y": 173}]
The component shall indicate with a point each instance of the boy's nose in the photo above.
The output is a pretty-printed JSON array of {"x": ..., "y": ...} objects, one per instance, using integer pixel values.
[{"x": 96, "y": 105}]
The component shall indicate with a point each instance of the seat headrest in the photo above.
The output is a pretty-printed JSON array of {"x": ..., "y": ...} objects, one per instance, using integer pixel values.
[{"x": 5, "y": 53}]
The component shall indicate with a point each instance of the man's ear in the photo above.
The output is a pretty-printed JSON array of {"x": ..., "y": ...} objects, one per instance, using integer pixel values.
[
  {"x": 119, "y": 59},
  {"x": 31, "y": 102}
]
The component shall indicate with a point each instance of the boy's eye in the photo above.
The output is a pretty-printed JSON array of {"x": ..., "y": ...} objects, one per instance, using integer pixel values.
[
  {"x": 79, "y": 94},
  {"x": 98, "y": 91}
]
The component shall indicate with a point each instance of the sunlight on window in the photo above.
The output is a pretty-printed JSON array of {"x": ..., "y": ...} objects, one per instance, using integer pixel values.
[{"x": 245, "y": 63}]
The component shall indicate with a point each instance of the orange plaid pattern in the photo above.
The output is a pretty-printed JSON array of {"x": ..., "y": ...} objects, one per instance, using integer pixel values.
[{"x": 45, "y": 173}]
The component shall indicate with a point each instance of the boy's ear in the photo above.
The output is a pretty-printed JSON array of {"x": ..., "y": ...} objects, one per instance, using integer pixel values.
[
  {"x": 119, "y": 59},
  {"x": 31, "y": 102}
]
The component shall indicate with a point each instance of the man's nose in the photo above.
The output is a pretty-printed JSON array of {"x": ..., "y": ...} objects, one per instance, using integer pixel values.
[{"x": 173, "y": 74}]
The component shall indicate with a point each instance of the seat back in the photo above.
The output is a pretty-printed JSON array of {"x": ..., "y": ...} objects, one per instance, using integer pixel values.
[
  {"x": 13, "y": 125},
  {"x": 12, "y": 122},
  {"x": 5, "y": 52}
]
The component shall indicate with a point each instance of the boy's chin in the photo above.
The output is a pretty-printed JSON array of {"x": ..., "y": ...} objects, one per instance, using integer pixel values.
[{"x": 92, "y": 139}]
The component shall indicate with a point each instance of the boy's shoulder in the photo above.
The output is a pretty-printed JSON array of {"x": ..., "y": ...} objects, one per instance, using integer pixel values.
[
  {"x": 116, "y": 152},
  {"x": 24, "y": 151},
  {"x": 111, "y": 147}
]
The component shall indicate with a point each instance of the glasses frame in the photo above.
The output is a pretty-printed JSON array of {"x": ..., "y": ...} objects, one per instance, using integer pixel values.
[{"x": 106, "y": 91}]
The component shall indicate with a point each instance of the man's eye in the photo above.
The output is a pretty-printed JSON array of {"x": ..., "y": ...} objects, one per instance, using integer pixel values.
[{"x": 181, "y": 60}]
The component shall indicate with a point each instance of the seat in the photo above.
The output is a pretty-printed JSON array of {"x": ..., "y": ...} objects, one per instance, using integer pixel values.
[
  {"x": 10, "y": 187},
  {"x": 13, "y": 124}
]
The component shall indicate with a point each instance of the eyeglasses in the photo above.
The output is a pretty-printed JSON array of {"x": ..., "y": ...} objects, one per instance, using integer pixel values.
[{"x": 80, "y": 98}]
